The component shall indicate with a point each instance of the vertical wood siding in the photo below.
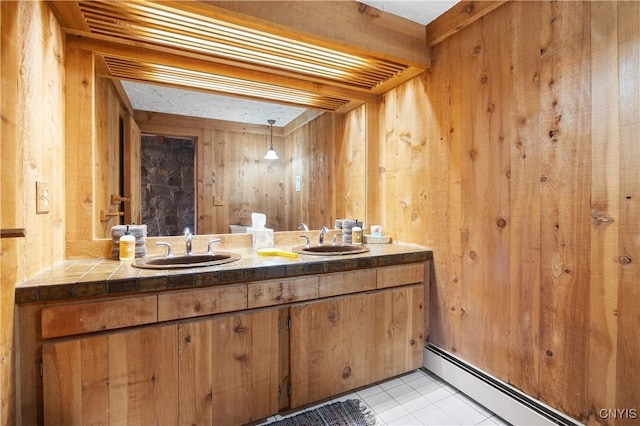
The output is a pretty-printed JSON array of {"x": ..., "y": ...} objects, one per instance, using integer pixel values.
[
  {"x": 32, "y": 141},
  {"x": 530, "y": 173}
]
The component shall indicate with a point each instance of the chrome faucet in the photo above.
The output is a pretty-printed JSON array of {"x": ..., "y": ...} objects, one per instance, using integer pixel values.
[
  {"x": 168, "y": 246},
  {"x": 303, "y": 227},
  {"x": 210, "y": 243},
  {"x": 324, "y": 231},
  {"x": 189, "y": 238}
]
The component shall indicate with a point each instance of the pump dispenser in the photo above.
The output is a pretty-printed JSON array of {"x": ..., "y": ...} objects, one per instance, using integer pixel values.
[
  {"x": 356, "y": 233},
  {"x": 127, "y": 246}
]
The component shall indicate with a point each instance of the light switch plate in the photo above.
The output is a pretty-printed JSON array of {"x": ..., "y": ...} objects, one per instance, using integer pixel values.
[
  {"x": 298, "y": 183},
  {"x": 43, "y": 198}
]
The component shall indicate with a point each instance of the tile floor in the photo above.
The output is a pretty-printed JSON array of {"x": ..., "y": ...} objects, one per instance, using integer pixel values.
[{"x": 417, "y": 398}]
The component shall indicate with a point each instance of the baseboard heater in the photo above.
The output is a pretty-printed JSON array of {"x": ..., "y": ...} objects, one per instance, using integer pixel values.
[{"x": 509, "y": 403}]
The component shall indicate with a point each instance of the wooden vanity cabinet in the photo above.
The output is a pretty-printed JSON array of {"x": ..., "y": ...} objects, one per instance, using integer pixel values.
[{"x": 223, "y": 355}]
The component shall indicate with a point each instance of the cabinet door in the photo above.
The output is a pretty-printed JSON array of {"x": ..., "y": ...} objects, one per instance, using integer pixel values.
[
  {"x": 343, "y": 343},
  {"x": 395, "y": 332},
  {"x": 221, "y": 370},
  {"x": 327, "y": 341},
  {"x": 122, "y": 378},
  {"x": 229, "y": 372}
]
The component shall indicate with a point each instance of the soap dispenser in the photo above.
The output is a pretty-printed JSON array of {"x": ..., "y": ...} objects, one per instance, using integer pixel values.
[
  {"x": 356, "y": 233},
  {"x": 127, "y": 246}
]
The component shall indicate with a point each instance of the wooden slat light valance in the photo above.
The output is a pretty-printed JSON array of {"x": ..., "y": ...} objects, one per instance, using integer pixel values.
[
  {"x": 162, "y": 25},
  {"x": 133, "y": 70}
]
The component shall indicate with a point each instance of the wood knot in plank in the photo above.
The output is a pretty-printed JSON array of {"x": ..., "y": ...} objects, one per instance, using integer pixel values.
[
  {"x": 346, "y": 372},
  {"x": 332, "y": 316},
  {"x": 625, "y": 260},
  {"x": 501, "y": 223},
  {"x": 406, "y": 137},
  {"x": 600, "y": 219}
]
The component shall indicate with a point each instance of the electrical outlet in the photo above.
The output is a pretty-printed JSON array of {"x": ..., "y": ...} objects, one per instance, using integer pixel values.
[
  {"x": 217, "y": 200},
  {"x": 43, "y": 198}
]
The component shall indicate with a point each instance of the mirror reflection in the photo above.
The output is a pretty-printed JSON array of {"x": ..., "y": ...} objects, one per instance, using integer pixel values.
[{"x": 210, "y": 174}]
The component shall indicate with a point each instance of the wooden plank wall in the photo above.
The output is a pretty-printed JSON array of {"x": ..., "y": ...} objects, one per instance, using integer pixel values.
[
  {"x": 31, "y": 150},
  {"x": 349, "y": 162},
  {"x": 108, "y": 113},
  {"x": 329, "y": 155},
  {"x": 519, "y": 164}
]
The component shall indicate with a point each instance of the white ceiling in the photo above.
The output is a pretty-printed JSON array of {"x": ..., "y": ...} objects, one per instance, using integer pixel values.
[{"x": 148, "y": 97}]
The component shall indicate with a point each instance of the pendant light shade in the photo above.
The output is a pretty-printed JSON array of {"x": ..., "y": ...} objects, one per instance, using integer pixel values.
[{"x": 271, "y": 153}]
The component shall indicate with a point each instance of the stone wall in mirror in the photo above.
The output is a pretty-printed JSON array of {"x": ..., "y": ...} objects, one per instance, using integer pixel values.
[{"x": 168, "y": 196}]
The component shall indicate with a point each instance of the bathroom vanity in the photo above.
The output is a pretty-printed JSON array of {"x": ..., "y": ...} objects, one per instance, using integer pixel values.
[{"x": 103, "y": 342}]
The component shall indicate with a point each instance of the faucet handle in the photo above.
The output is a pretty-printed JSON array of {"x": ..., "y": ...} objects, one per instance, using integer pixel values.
[
  {"x": 168, "y": 246},
  {"x": 210, "y": 243},
  {"x": 308, "y": 242}
]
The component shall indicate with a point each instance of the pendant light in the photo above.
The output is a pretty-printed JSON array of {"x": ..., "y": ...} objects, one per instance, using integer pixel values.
[{"x": 271, "y": 153}]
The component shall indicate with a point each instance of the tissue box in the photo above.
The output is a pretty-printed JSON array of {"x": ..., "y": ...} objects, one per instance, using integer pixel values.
[{"x": 262, "y": 238}]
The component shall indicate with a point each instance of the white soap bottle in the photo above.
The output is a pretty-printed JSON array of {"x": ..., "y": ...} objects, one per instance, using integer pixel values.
[
  {"x": 356, "y": 234},
  {"x": 127, "y": 246}
]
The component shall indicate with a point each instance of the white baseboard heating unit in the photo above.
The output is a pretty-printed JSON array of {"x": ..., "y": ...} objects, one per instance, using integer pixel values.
[{"x": 509, "y": 403}]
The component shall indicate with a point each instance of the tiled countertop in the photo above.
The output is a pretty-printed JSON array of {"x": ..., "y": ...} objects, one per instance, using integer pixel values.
[{"x": 105, "y": 277}]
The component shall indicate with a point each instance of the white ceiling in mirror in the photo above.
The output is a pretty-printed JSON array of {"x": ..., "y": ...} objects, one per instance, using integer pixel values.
[
  {"x": 154, "y": 98},
  {"x": 147, "y": 97}
]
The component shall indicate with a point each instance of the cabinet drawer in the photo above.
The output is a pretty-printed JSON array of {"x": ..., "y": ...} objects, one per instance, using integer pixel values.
[
  {"x": 393, "y": 276},
  {"x": 195, "y": 303},
  {"x": 347, "y": 282},
  {"x": 87, "y": 317},
  {"x": 269, "y": 293}
]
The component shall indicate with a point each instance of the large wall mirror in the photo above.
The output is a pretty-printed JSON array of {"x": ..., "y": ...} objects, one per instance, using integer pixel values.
[{"x": 231, "y": 178}]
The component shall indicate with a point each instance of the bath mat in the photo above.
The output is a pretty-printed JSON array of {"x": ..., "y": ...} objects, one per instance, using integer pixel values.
[{"x": 351, "y": 412}]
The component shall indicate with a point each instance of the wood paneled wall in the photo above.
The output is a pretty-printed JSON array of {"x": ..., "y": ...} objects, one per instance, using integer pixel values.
[
  {"x": 110, "y": 119},
  {"x": 32, "y": 139},
  {"x": 517, "y": 158},
  {"x": 350, "y": 163}
]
